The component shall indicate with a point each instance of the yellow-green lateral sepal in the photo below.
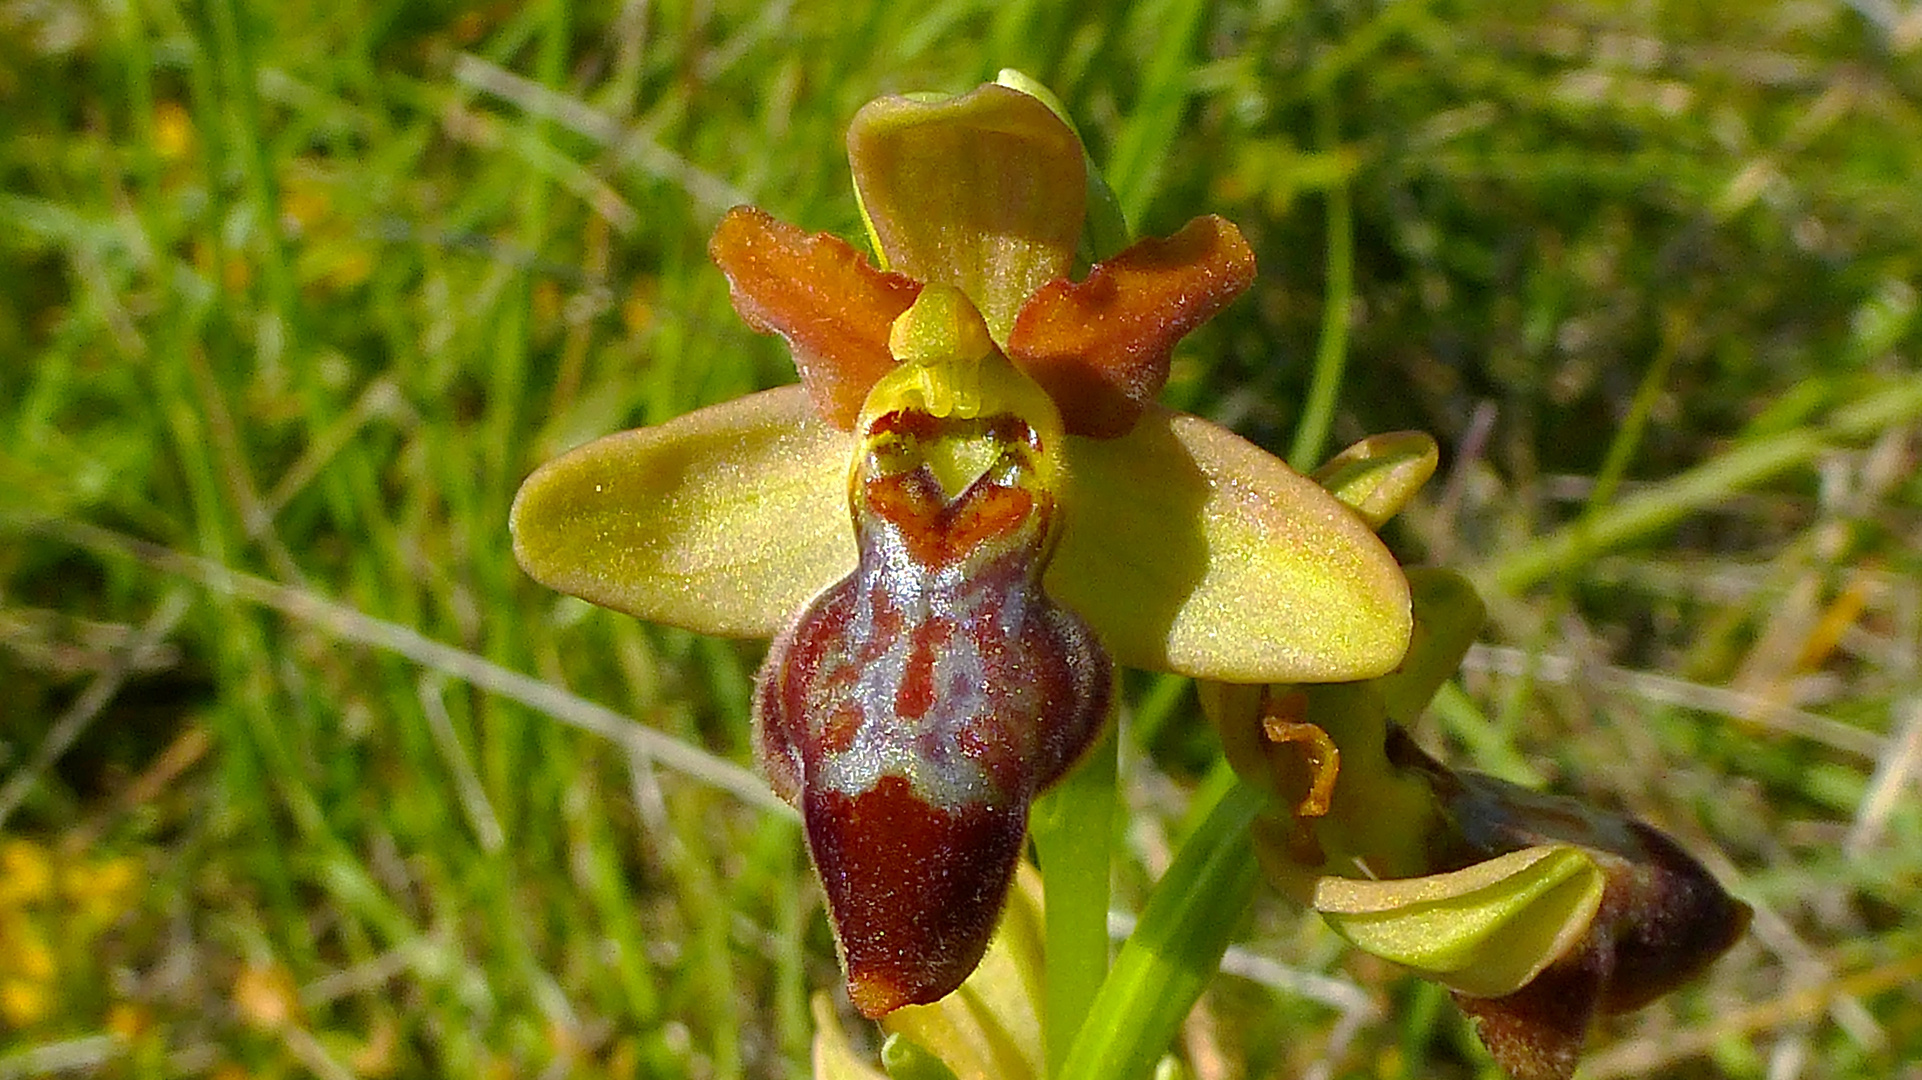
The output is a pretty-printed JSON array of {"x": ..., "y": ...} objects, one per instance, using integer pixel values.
[
  {"x": 724, "y": 521},
  {"x": 1191, "y": 550},
  {"x": 1378, "y": 475},
  {"x": 1485, "y": 930},
  {"x": 984, "y": 192}
]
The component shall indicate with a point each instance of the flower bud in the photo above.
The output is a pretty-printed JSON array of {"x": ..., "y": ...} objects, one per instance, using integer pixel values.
[{"x": 1661, "y": 920}]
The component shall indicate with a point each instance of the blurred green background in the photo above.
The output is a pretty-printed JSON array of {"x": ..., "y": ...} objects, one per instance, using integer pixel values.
[{"x": 300, "y": 776}]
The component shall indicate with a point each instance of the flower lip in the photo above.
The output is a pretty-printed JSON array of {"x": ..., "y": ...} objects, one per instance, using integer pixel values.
[{"x": 913, "y": 710}]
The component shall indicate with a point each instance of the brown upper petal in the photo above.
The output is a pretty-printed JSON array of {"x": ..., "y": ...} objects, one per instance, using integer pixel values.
[
  {"x": 816, "y": 291},
  {"x": 1101, "y": 347}
]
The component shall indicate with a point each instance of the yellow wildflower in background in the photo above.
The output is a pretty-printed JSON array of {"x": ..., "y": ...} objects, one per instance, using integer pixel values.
[{"x": 53, "y": 908}]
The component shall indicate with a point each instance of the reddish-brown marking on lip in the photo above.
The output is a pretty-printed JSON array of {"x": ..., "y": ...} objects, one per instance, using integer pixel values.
[
  {"x": 909, "y": 422},
  {"x": 939, "y": 531},
  {"x": 994, "y": 513},
  {"x": 926, "y": 643}
]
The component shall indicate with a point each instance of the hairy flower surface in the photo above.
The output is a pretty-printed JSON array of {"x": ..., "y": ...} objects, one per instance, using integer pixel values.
[{"x": 969, "y": 506}]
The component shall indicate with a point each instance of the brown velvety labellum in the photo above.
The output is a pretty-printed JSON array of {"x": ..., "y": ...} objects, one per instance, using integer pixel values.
[
  {"x": 915, "y": 708},
  {"x": 1663, "y": 918},
  {"x": 1678, "y": 920}
]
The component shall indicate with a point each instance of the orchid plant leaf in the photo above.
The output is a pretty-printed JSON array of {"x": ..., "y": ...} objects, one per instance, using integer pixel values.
[
  {"x": 724, "y": 521},
  {"x": 1485, "y": 930},
  {"x": 1189, "y": 549}
]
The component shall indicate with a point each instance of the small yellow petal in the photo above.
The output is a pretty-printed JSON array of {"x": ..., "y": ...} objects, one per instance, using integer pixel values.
[
  {"x": 1378, "y": 475},
  {"x": 26, "y": 872},
  {"x": 32, "y": 957},
  {"x": 24, "y": 1004},
  {"x": 724, "y": 521}
]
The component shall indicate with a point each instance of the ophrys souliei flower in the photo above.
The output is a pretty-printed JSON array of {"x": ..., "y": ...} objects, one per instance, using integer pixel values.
[{"x": 968, "y": 512}]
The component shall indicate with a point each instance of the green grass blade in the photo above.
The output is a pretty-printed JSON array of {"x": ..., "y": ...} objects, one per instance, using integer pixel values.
[
  {"x": 1141, "y": 147},
  {"x": 1073, "y": 829},
  {"x": 1331, "y": 350},
  {"x": 1176, "y": 947},
  {"x": 1645, "y": 512}
]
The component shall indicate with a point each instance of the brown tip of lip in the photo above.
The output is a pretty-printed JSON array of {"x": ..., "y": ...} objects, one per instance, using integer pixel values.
[
  {"x": 875, "y": 994},
  {"x": 913, "y": 890}
]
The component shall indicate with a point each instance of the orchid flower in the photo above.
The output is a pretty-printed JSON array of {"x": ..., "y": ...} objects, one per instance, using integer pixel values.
[
  {"x": 1539, "y": 913},
  {"x": 968, "y": 512}
]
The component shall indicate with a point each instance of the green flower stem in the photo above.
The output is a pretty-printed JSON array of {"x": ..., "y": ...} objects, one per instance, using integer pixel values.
[
  {"x": 1176, "y": 947},
  {"x": 1331, "y": 352},
  {"x": 1382, "y": 815},
  {"x": 1073, "y": 828}
]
